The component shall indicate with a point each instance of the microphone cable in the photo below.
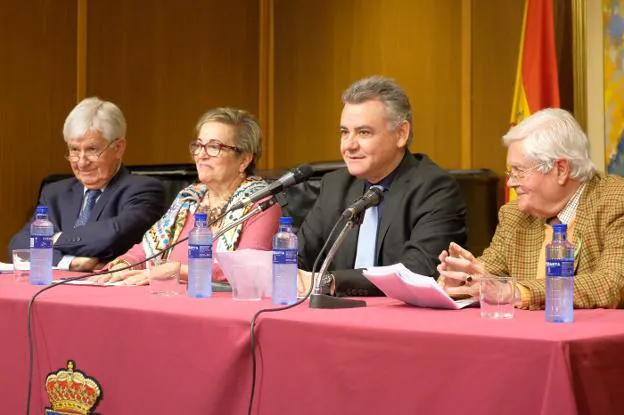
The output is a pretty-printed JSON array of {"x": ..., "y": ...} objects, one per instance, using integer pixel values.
[
  {"x": 80, "y": 277},
  {"x": 252, "y": 340}
]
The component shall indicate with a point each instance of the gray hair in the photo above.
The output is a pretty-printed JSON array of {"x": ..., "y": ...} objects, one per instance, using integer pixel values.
[
  {"x": 388, "y": 92},
  {"x": 552, "y": 134},
  {"x": 94, "y": 114},
  {"x": 247, "y": 132}
]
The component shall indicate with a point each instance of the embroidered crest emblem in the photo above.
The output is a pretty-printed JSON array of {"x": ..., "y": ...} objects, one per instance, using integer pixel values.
[{"x": 71, "y": 392}]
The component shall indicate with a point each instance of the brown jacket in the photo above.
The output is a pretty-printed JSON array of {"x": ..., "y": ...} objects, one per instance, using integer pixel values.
[{"x": 598, "y": 239}]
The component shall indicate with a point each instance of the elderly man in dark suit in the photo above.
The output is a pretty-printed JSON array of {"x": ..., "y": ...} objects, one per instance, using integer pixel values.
[
  {"x": 102, "y": 211},
  {"x": 422, "y": 209}
]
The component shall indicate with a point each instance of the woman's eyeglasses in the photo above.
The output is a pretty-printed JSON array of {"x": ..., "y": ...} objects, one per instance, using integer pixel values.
[{"x": 212, "y": 148}]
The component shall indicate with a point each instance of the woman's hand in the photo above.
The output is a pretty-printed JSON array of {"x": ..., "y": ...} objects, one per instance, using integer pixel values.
[
  {"x": 131, "y": 277},
  {"x": 117, "y": 276}
]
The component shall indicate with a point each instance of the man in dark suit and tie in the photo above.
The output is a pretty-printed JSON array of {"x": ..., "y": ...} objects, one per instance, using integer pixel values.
[
  {"x": 422, "y": 209},
  {"x": 102, "y": 211}
]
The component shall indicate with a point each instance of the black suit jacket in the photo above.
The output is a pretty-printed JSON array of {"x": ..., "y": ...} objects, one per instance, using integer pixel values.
[
  {"x": 423, "y": 211},
  {"x": 126, "y": 209}
]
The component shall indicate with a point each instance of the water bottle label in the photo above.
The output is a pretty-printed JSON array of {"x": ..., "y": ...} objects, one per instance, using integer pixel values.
[
  {"x": 560, "y": 268},
  {"x": 42, "y": 242},
  {"x": 200, "y": 251},
  {"x": 284, "y": 256}
]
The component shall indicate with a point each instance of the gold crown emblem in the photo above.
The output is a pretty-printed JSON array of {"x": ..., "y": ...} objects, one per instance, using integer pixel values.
[{"x": 71, "y": 392}]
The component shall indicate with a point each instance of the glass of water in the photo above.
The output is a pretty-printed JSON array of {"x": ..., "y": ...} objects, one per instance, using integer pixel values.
[
  {"x": 497, "y": 295},
  {"x": 164, "y": 277},
  {"x": 21, "y": 264}
]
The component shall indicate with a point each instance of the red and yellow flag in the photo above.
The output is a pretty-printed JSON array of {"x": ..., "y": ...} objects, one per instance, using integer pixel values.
[{"x": 537, "y": 80}]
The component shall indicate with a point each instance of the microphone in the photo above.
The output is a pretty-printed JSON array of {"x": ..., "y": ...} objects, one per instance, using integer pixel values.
[
  {"x": 371, "y": 198},
  {"x": 296, "y": 175}
]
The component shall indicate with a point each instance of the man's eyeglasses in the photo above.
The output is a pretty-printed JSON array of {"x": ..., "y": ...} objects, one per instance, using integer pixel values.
[
  {"x": 90, "y": 154},
  {"x": 212, "y": 148},
  {"x": 519, "y": 174}
]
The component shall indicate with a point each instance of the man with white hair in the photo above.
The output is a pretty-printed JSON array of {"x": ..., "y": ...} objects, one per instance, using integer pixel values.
[
  {"x": 102, "y": 211},
  {"x": 555, "y": 182}
]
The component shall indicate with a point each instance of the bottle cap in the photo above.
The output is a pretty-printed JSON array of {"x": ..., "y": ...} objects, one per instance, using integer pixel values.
[
  {"x": 201, "y": 217},
  {"x": 41, "y": 210},
  {"x": 286, "y": 220},
  {"x": 560, "y": 228}
]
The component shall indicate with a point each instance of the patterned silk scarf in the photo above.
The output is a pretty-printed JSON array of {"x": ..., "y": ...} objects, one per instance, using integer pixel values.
[{"x": 168, "y": 228}]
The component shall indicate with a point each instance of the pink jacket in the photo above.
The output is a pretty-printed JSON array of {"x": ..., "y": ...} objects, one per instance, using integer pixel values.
[{"x": 257, "y": 233}]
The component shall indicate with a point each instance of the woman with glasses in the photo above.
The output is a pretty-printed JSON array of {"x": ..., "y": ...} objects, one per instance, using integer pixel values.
[{"x": 226, "y": 152}]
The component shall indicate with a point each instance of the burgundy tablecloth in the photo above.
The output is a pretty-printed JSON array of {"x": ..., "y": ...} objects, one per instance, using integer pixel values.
[{"x": 176, "y": 355}]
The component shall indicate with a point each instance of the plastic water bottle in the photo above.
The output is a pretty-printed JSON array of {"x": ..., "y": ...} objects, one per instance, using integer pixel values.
[
  {"x": 200, "y": 259},
  {"x": 41, "y": 232},
  {"x": 285, "y": 263},
  {"x": 560, "y": 277}
]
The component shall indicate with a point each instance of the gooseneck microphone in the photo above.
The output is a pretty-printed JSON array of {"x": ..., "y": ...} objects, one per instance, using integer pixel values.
[
  {"x": 353, "y": 216},
  {"x": 371, "y": 198},
  {"x": 294, "y": 176}
]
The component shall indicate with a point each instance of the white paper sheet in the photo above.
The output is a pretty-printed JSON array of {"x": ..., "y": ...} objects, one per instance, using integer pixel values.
[
  {"x": 91, "y": 283},
  {"x": 260, "y": 266},
  {"x": 8, "y": 268},
  {"x": 398, "y": 282}
]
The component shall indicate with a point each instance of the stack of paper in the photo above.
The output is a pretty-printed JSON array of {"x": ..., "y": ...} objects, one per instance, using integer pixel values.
[
  {"x": 8, "y": 268},
  {"x": 90, "y": 283},
  {"x": 398, "y": 282}
]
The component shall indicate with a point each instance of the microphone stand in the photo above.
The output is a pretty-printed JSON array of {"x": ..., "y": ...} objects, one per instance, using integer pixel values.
[{"x": 317, "y": 298}]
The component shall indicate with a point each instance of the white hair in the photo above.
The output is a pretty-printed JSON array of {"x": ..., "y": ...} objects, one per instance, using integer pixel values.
[
  {"x": 93, "y": 114},
  {"x": 552, "y": 134}
]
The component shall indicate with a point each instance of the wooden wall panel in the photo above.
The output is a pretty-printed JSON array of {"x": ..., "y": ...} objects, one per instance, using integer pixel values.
[
  {"x": 322, "y": 46},
  {"x": 496, "y": 28},
  {"x": 37, "y": 90},
  {"x": 166, "y": 62}
]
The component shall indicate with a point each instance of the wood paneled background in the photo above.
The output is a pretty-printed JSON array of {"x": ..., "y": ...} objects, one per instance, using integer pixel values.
[
  {"x": 496, "y": 27},
  {"x": 321, "y": 46},
  {"x": 164, "y": 62},
  {"x": 37, "y": 90}
]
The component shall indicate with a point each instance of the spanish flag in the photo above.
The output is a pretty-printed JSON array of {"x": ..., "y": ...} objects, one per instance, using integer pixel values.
[{"x": 537, "y": 81}]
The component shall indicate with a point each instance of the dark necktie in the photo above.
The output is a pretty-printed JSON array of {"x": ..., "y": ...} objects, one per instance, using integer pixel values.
[{"x": 85, "y": 213}]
